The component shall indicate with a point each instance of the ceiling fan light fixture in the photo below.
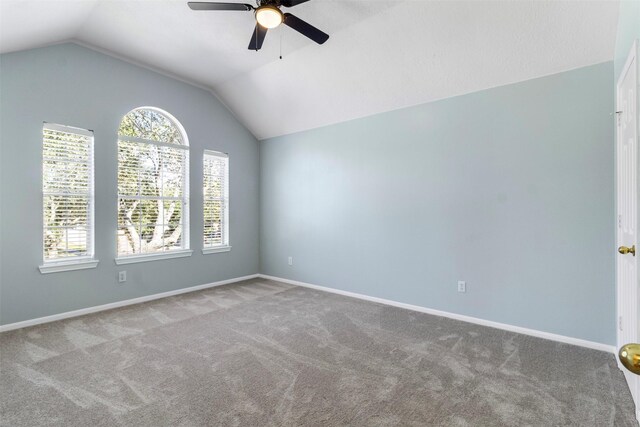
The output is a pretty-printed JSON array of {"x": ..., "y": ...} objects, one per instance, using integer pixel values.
[{"x": 269, "y": 16}]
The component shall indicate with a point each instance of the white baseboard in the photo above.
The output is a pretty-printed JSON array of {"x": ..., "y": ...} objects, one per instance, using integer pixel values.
[
  {"x": 461, "y": 317},
  {"x": 526, "y": 331},
  {"x": 95, "y": 309}
]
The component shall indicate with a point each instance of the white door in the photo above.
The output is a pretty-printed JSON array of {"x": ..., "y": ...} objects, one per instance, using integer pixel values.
[{"x": 627, "y": 196}]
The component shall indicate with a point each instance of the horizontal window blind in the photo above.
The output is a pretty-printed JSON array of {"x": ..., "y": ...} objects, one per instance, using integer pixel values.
[
  {"x": 216, "y": 199},
  {"x": 67, "y": 191},
  {"x": 152, "y": 185}
]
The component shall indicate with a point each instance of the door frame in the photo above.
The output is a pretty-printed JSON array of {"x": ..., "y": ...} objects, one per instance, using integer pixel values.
[{"x": 632, "y": 59}]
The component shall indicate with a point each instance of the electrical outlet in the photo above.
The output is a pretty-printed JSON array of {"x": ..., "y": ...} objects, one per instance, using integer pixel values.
[
  {"x": 290, "y": 260},
  {"x": 122, "y": 276},
  {"x": 462, "y": 286}
]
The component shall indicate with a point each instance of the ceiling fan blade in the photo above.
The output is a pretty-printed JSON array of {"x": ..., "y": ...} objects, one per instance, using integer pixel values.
[
  {"x": 291, "y": 3},
  {"x": 305, "y": 29},
  {"x": 257, "y": 39},
  {"x": 202, "y": 5}
]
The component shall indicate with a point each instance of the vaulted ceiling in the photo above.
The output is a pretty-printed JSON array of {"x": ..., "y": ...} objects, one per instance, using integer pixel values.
[{"x": 382, "y": 55}]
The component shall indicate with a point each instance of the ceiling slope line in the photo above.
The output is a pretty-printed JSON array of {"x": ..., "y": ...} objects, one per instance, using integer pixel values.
[
  {"x": 211, "y": 91},
  {"x": 364, "y": 74},
  {"x": 418, "y": 104}
]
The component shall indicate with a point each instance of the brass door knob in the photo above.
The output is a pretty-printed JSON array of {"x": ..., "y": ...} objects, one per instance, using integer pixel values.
[
  {"x": 629, "y": 355},
  {"x": 625, "y": 250}
]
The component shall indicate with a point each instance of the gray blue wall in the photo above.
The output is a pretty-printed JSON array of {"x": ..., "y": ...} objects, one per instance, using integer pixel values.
[
  {"x": 510, "y": 189},
  {"x": 75, "y": 86}
]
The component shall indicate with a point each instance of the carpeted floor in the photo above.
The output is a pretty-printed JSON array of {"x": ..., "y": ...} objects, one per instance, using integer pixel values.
[{"x": 262, "y": 353}]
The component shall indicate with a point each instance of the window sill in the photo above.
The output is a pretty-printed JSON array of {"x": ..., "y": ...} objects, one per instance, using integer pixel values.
[
  {"x": 57, "y": 267},
  {"x": 216, "y": 249},
  {"x": 153, "y": 257}
]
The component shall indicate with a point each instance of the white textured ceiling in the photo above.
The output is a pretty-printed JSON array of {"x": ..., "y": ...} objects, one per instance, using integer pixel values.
[{"x": 382, "y": 55}]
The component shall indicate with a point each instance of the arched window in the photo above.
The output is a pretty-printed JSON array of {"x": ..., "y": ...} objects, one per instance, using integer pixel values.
[{"x": 153, "y": 185}]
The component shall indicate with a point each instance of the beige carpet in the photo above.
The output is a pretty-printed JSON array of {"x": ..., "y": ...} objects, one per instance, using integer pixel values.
[{"x": 262, "y": 353}]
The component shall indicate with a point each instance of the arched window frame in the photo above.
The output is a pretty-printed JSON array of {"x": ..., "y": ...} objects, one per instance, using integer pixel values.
[{"x": 178, "y": 251}]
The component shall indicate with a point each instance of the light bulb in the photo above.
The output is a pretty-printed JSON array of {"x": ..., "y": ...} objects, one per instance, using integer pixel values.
[{"x": 269, "y": 16}]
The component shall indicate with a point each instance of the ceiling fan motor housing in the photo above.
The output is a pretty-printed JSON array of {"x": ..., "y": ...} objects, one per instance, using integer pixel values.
[{"x": 275, "y": 3}]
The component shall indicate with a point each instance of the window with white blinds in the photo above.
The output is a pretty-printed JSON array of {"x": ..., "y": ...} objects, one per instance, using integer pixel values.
[
  {"x": 216, "y": 201},
  {"x": 153, "y": 187},
  {"x": 67, "y": 194}
]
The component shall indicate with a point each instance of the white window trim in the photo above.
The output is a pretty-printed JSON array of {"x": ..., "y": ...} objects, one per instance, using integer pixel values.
[
  {"x": 216, "y": 153},
  {"x": 216, "y": 249},
  {"x": 68, "y": 129},
  {"x": 57, "y": 267},
  {"x": 132, "y": 259},
  {"x": 225, "y": 247},
  {"x": 186, "y": 251},
  {"x": 89, "y": 261}
]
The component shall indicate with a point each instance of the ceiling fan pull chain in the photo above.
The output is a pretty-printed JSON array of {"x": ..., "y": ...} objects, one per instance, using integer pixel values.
[{"x": 280, "y": 42}]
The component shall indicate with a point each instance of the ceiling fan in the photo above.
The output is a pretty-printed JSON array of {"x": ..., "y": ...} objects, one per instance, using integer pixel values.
[{"x": 268, "y": 16}]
